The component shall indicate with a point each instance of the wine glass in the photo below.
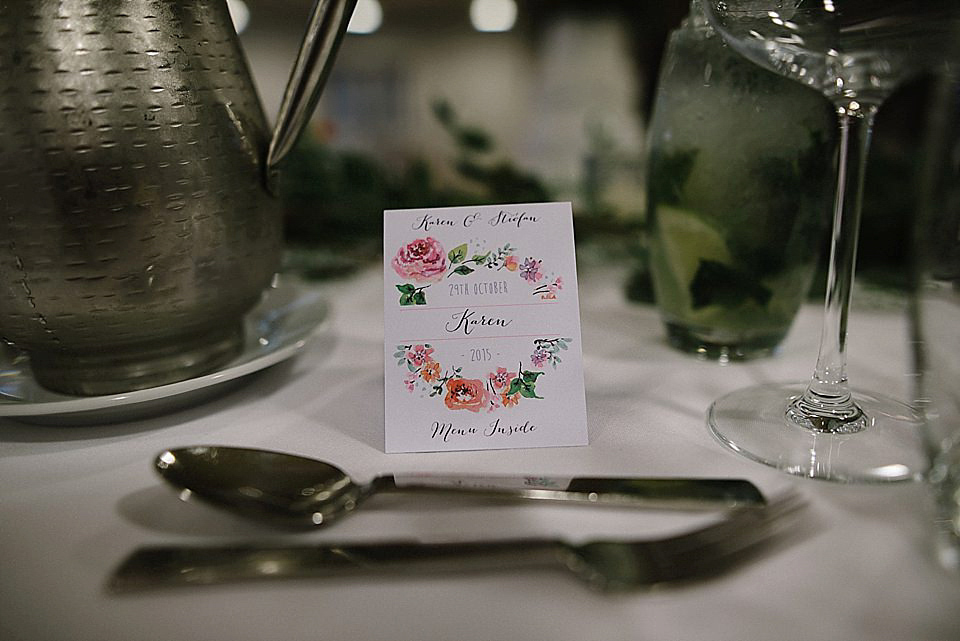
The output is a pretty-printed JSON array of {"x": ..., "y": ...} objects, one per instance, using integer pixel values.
[
  {"x": 935, "y": 310},
  {"x": 855, "y": 52}
]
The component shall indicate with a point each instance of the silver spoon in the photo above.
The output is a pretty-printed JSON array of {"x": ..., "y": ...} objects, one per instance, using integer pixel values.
[{"x": 299, "y": 491}]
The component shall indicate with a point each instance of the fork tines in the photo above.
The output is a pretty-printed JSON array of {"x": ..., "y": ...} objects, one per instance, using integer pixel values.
[{"x": 744, "y": 532}]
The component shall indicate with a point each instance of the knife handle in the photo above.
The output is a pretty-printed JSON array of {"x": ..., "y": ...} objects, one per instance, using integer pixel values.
[{"x": 673, "y": 493}]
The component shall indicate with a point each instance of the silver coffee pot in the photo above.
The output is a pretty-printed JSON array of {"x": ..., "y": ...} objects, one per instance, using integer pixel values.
[{"x": 137, "y": 219}]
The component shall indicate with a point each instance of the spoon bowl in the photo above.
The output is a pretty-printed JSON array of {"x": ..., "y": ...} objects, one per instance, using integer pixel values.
[{"x": 269, "y": 486}]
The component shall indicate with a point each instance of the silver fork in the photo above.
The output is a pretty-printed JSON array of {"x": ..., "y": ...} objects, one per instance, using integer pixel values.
[{"x": 605, "y": 565}]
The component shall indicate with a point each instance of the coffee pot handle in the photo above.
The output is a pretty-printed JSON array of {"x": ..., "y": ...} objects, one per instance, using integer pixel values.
[{"x": 325, "y": 30}]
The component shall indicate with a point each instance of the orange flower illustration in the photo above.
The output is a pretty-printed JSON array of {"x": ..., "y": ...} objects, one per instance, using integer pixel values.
[
  {"x": 509, "y": 400},
  {"x": 465, "y": 394},
  {"x": 430, "y": 371}
]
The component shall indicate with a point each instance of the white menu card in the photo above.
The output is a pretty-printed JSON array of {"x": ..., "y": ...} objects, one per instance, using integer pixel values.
[{"x": 482, "y": 329}]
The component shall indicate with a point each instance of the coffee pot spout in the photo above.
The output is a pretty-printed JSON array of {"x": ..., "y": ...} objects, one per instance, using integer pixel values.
[{"x": 325, "y": 30}]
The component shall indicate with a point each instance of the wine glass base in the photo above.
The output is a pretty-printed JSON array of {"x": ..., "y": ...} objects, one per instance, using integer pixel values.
[{"x": 753, "y": 422}]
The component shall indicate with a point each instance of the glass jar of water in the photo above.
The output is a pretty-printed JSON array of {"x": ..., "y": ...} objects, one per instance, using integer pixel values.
[{"x": 739, "y": 195}]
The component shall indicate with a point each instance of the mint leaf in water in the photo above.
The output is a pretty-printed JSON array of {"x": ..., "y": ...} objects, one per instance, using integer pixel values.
[
  {"x": 669, "y": 172},
  {"x": 716, "y": 283}
]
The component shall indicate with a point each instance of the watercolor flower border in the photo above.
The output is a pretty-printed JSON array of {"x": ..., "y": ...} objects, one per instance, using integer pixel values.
[
  {"x": 424, "y": 262},
  {"x": 500, "y": 388}
]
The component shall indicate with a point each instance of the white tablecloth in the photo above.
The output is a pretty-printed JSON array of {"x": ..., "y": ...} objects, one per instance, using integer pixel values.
[{"x": 74, "y": 501}]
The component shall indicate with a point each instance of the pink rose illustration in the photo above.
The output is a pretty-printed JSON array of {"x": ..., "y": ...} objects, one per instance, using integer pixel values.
[{"x": 422, "y": 260}]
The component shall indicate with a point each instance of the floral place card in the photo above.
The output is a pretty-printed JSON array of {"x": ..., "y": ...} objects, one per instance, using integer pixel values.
[{"x": 482, "y": 329}]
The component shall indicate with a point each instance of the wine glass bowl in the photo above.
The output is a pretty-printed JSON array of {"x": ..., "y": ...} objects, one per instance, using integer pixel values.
[
  {"x": 859, "y": 51},
  {"x": 855, "y": 53}
]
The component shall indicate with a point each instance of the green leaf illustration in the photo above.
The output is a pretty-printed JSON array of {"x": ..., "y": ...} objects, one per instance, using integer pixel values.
[
  {"x": 411, "y": 295},
  {"x": 525, "y": 385},
  {"x": 529, "y": 391},
  {"x": 457, "y": 254},
  {"x": 531, "y": 377},
  {"x": 463, "y": 270}
]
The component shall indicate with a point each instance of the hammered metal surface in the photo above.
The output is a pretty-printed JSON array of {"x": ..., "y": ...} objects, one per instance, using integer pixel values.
[{"x": 133, "y": 215}]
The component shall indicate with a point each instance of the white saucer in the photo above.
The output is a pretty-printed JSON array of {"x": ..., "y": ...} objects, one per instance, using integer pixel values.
[{"x": 277, "y": 328}]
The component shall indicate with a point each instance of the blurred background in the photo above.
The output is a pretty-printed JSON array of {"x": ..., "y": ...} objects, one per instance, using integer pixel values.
[{"x": 448, "y": 102}]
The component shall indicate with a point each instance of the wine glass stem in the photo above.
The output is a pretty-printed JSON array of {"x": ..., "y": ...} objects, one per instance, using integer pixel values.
[{"x": 826, "y": 405}]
